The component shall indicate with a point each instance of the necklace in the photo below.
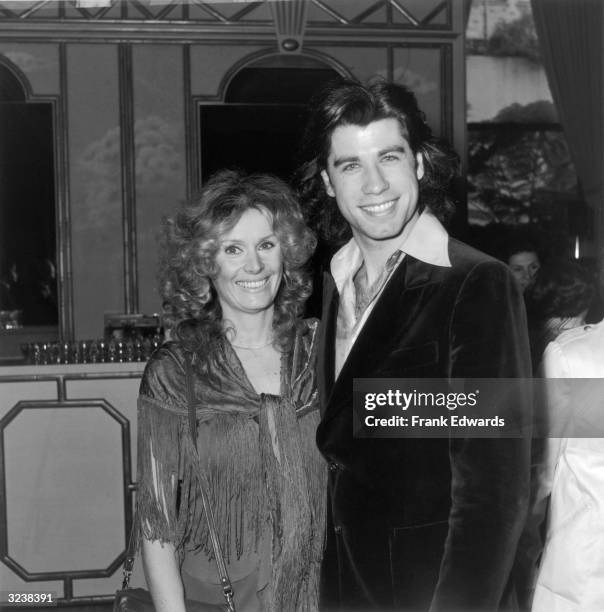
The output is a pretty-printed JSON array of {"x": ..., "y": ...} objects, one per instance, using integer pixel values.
[{"x": 251, "y": 348}]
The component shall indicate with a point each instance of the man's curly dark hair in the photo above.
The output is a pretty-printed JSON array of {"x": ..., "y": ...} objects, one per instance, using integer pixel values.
[
  {"x": 347, "y": 102},
  {"x": 191, "y": 241}
]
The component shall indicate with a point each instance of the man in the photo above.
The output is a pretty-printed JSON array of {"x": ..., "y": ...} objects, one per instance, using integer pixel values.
[{"x": 414, "y": 524}]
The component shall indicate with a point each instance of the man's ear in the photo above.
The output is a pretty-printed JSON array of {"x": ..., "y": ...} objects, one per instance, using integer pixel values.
[
  {"x": 327, "y": 183},
  {"x": 419, "y": 169}
]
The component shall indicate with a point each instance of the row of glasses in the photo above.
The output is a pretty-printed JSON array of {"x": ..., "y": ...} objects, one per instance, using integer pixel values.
[{"x": 90, "y": 351}]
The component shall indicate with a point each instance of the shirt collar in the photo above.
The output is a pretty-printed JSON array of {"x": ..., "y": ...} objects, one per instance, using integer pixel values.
[{"x": 428, "y": 241}]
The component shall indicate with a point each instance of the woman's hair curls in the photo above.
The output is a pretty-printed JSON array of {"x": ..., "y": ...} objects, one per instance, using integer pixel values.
[{"x": 190, "y": 244}]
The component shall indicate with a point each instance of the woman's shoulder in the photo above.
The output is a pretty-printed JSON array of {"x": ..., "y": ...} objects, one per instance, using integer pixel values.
[{"x": 164, "y": 375}]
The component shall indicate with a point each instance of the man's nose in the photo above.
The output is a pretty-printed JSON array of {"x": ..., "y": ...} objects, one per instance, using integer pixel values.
[
  {"x": 375, "y": 181},
  {"x": 253, "y": 262}
]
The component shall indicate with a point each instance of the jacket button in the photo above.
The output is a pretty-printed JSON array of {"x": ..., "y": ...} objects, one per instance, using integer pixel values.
[
  {"x": 338, "y": 529},
  {"x": 333, "y": 466}
]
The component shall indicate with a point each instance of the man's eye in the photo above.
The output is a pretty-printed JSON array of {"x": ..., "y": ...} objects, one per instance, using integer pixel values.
[
  {"x": 349, "y": 167},
  {"x": 391, "y": 157}
]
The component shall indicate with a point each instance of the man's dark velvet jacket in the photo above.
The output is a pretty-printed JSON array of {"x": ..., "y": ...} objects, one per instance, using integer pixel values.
[{"x": 425, "y": 524}]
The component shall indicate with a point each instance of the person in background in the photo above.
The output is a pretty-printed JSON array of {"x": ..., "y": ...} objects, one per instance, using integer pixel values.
[
  {"x": 558, "y": 300},
  {"x": 571, "y": 572},
  {"x": 523, "y": 259},
  {"x": 414, "y": 524},
  {"x": 234, "y": 286}
]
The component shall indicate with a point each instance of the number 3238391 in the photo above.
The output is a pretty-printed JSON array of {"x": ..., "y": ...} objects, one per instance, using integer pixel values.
[{"x": 20, "y": 598}]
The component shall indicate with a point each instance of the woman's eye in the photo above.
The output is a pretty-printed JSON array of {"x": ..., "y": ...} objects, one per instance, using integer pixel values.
[
  {"x": 266, "y": 245},
  {"x": 231, "y": 249}
]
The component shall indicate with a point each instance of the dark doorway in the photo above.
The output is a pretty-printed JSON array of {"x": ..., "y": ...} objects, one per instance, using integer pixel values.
[
  {"x": 28, "y": 282},
  {"x": 255, "y": 138},
  {"x": 258, "y": 128}
]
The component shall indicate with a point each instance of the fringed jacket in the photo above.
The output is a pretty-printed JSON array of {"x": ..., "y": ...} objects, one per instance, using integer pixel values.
[{"x": 266, "y": 477}]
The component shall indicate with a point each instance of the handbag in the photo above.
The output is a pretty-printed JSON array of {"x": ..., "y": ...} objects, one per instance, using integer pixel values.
[{"x": 139, "y": 600}]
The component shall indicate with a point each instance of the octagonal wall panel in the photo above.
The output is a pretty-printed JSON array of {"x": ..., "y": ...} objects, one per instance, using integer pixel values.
[
  {"x": 121, "y": 393},
  {"x": 64, "y": 488},
  {"x": 15, "y": 391}
]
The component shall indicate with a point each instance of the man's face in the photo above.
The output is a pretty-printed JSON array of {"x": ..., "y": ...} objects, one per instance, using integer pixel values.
[{"x": 373, "y": 175}]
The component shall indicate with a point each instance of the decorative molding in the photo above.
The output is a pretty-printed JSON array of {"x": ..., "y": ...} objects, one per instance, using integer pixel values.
[
  {"x": 128, "y": 157},
  {"x": 175, "y": 21},
  {"x": 21, "y": 78},
  {"x": 189, "y": 120},
  {"x": 63, "y": 207},
  {"x": 290, "y": 23}
]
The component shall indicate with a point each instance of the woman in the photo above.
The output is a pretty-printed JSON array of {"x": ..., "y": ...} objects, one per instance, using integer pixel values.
[
  {"x": 557, "y": 301},
  {"x": 234, "y": 286},
  {"x": 524, "y": 262}
]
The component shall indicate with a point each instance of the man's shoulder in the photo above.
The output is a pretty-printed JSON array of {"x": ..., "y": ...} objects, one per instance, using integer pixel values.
[
  {"x": 467, "y": 261},
  {"x": 464, "y": 255}
]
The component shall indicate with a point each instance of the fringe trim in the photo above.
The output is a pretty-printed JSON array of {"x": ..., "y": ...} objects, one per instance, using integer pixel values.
[
  {"x": 169, "y": 503},
  {"x": 229, "y": 456},
  {"x": 296, "y": 482},
  {"x": 159, "y": 439}
]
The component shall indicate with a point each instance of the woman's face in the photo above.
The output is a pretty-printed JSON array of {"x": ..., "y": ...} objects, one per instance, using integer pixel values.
[
  {"x": 524, "y": 266},
  {"x": 250, "y": 266}
]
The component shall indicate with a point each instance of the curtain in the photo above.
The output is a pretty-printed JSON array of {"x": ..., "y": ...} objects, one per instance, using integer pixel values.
[
  {"x": 467, "y": 9},
  {"x": 571, "y": 40}
]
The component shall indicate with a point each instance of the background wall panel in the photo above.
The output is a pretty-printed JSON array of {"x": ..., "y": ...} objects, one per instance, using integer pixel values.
[
  {"x": 95, "y": 174},
  {"x": 159, "y": 132},
  {"x": 39, "y": 63},
  {"x": 209, "y": 64}
]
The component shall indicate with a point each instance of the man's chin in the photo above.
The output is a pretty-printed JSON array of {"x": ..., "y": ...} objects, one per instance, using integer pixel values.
[{"x": 383, "y": 234}]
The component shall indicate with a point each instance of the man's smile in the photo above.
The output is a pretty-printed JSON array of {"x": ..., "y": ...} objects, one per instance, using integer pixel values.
[{"x": 377, "y": 210}]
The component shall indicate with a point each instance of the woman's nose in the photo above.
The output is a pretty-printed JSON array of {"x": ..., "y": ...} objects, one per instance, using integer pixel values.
[
  {"x": 253, "y": 262},
  {"x": 375, "y": 181}
]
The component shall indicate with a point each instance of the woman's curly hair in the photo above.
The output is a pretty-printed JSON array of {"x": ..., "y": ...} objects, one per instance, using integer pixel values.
[
  {"x": 190, "y": 244},
  {"x": 347, "y": 102}
]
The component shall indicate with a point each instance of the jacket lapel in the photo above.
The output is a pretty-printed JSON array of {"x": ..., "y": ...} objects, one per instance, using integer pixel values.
[
  {"x": 327, "y": 338},
  {"x": 380, "y": 335}
]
